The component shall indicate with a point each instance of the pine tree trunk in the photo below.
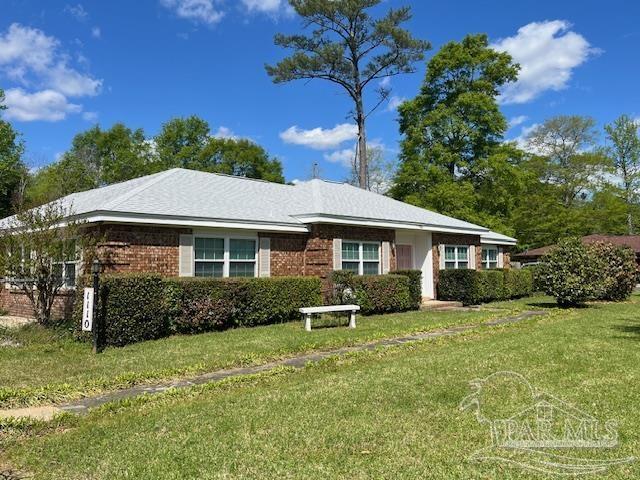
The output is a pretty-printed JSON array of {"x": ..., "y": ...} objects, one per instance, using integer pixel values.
[{"x": 362, "y": 146}]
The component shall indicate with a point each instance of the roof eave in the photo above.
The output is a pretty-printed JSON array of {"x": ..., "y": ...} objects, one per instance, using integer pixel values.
[
  {"x": 190, "y": 222},
  {"x": 372, "y": 222}
]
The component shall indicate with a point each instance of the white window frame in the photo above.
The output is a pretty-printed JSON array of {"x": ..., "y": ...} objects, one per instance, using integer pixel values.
[
  {"x": 361, "y": 261},
  {"x": 457, "y": 259},
  {"x": 486, "y": 262},
  {"x": 77, "y": 261},
  {"x": 227, "y": 261}
]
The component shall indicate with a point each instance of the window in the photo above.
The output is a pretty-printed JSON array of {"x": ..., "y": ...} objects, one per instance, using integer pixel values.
[
  {"x": 361, "y": 258},
  {"x": 242, "y": 258},
  {"x": 224, "y": 257},
  {"x": 489, "y": 257},
  {"x": 209, "y": 255},
  {"x": 456, "y": 257},
  {"x": 65, "y": 269}
]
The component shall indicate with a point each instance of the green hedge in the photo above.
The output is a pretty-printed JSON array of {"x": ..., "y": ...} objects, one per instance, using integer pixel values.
[
  {"x": 377, "y": 293},
  {"x": 132, "y": 307},
  {"x": 415, "y": 285},
  {"x": 146, "y": 307},
  {"x": 249, "y": 301},
  {"x": 518, "y": 283},
  {"x": 477, "y": 286}
]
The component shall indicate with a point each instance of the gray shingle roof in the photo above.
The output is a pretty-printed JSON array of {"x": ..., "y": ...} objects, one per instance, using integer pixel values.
[{"x": 206, "y": 196}]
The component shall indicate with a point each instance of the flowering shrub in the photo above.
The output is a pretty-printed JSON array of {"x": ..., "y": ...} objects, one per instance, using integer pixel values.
[{"x": 574, "y": 272}]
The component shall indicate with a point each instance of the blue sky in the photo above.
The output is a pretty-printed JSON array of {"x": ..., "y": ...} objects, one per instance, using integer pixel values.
[{"x": 68, "y": 65}]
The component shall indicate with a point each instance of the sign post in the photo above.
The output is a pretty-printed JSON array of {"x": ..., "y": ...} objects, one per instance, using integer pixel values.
[
  {"x": 97, "y": 328},
  {"x": 87, "y": 310}
]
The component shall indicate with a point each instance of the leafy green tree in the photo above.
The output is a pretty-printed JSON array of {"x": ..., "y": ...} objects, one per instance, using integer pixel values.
[
  {"x": 452, "y": 130},
  {"x": 239, "y": 157},
  {"x": 349, "y": 48},
  {"x": 181, "y": 141},
  {"x": 39, "y": 249},
  {"x": 625, "y": 153},
  {"x": 573, "y": 161},
  {"x": 68, "y": 175},
  {"x": 455, "y": 120},
  {"x": 12, "y": 168},
  {"x": 96, "y": 157},
  {"x": 113, "y": 155},
  {"x": 187, "y": 143}
]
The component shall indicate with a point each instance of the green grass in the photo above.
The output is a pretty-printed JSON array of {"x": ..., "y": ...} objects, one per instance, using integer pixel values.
[
  {"x": 51, "y": 367},
  {"x": 392, "y": 413}
]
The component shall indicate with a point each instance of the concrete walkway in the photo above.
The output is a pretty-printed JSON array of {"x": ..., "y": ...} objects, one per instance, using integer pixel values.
[{"x": 82, "y": 406}]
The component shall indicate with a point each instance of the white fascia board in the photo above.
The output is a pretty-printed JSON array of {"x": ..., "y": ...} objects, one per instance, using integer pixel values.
[
  {"x": 113, "y": 217},
  {"x": 387, "y": 224},
  {"x": 489, "y": 241}
]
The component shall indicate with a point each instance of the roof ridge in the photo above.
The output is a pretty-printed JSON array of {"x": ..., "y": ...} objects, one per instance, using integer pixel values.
[{"x": 140, "y": 188}]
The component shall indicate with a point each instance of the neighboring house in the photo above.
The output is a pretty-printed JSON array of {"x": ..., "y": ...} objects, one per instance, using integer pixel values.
[
  {"x": 534, "y": 255},
  {"x": 189, "y": 223}
]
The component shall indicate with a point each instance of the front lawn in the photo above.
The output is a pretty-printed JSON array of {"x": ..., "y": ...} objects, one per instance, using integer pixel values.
[
  {"x": 51, "y": 367},
  {"x": 392, "y": 413}
]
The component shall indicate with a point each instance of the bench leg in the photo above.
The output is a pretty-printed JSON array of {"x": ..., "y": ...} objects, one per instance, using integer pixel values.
[
  {"x": 352, "y": 319},
  {"x": 307, "y": 322}
]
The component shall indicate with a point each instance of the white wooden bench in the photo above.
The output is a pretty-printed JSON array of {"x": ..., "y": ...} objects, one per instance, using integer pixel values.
[{"x": 308, "y": 311}]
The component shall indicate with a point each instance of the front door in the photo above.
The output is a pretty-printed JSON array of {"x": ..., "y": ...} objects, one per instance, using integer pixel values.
[{"x": 405, "y": 257}]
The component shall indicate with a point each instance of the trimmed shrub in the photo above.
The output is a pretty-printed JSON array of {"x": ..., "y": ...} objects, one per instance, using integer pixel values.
[
  {"x": 249, "y": 301},
  {"x": 132, "y": 307},
  {"x": 145, "y": 307},
  {"x": 460, "y": 286},
  {"x": 617, "y": 271},
  {"x": 415, "y": 285},
  {"x": 518, "y": 283},
  {"x": 477, "y": 286},
  {"x": 491, "y": 285},
  {"x": 569, "y": 274},
  {"x": 374, "y": 293},
  {"x": 204, "y": 315}
]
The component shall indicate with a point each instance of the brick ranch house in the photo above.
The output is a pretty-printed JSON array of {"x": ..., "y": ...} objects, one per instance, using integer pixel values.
[{"x": 190, "y": 223}]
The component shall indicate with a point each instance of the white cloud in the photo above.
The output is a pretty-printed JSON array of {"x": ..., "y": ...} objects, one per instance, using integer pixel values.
[
  {"x": 547, "y": 53},
  {"x": 71, "y": 82},
  {"x": 225, "y": 132},
  {"x": 346, "y": 156},
  {"x": 385, "y": 82},
  {"x": 198, "y": 11},
  {"x": 46, "y": 105},
  {"x": 90, "y": 116},
  {"x": 26, "y": 48},
  {"x": 394, "y": 102},
  {"x": 35, "y": 62},
  {"x": 77, "y": 11},
  {"x": 320, "y": 138},
  {"x": 519, "y": 120},
  {"x": 521, "y": 139},
  {"x": 343, "y": 157},
  {"x": 270, "y": 7},
  {"x": 96, "y": 32}
]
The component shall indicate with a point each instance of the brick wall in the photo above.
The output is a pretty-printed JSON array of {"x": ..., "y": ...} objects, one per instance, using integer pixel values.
[
  {"x": 137, "y": 248},
  {"x": 312, "y": 254},
  {"x": 17, "y": 304},
  {"x": 287, "y": 254}
]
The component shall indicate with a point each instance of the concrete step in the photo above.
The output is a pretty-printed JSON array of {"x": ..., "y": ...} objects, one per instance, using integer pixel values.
[{"x": 440, "y": 305}]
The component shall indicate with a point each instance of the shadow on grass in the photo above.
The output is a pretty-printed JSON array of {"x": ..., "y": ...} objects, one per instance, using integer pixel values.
[
  {"x": 631, "y": 328},
  {"x": 543, "y": 305}
]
